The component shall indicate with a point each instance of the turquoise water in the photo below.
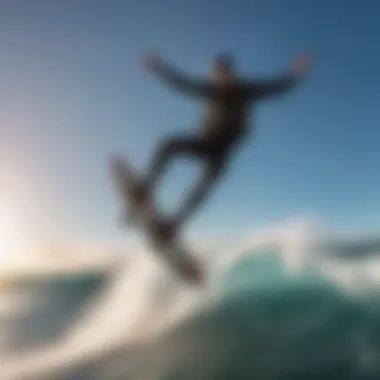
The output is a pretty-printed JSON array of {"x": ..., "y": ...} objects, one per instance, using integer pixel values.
[
  {"x": 265, "y": 323},
  {"x": 51, "y": 306}
]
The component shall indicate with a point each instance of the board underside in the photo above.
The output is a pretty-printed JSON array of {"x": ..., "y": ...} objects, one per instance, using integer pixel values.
[{"x": 173, "y": 252}]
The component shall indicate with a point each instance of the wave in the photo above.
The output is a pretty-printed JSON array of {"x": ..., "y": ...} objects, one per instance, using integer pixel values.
[
  {"x": 39, "y": 310},
  {"x": 278, "y": 304}
]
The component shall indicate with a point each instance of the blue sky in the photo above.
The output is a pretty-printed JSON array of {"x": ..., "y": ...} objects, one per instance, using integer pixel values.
[{"x": 72, "y": 93}]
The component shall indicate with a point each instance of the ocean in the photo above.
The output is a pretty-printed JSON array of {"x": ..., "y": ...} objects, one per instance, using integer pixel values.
[{"x": 286, "y": 302}]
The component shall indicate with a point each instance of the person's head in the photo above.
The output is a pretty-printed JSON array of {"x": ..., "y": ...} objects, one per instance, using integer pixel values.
[{"x": 223, "y": 70}]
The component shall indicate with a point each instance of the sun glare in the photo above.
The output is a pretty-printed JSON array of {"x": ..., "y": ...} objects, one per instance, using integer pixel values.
[{"x": 9, "y": 239}]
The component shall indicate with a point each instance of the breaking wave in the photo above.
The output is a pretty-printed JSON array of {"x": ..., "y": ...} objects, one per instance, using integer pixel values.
[{"x": 290, "y": 301}]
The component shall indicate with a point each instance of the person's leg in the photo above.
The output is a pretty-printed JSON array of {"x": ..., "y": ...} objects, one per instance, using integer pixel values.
[
  {"x": 214, "y": 168},
  {"x": 193, "y": 146},
  {"x": 217, "y": 157},
  {"x": 169, "y": 149}
]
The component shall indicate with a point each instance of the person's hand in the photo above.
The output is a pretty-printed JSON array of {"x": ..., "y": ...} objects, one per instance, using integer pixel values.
[
  {"x": 302, "y": 65},
  {"x": 151, "y": 62}
]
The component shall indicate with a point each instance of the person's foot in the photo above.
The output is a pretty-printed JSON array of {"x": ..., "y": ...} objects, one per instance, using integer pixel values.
[{"x": 168, "y": 229}]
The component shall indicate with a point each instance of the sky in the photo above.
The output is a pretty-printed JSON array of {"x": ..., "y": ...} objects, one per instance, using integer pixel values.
[{"x": 73, "y": 94}]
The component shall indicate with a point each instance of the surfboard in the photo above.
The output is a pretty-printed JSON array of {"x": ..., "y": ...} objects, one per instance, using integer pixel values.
[{"x": 146, "y": 217}]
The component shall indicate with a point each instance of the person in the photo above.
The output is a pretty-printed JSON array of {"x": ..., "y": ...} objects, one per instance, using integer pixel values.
[{"x": 225, "y": 125}]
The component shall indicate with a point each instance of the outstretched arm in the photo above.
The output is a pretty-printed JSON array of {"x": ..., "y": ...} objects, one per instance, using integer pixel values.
[
  {"x": 174, "y": 77},
  {"x": 282, "y": 83}
]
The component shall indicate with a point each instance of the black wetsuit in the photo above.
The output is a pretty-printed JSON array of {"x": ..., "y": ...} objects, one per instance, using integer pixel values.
[{"x": 224, "y": 126}]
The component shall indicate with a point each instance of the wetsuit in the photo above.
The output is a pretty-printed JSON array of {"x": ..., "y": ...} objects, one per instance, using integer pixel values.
[{"x": 224, "y": 126}]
